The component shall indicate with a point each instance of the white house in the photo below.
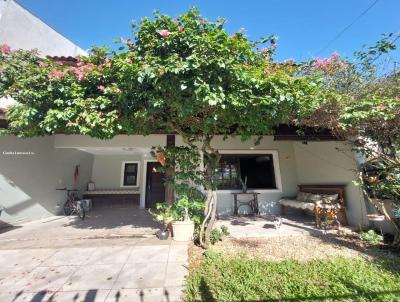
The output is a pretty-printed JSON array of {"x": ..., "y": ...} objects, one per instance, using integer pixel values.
[{"x": 122, "y": 169}]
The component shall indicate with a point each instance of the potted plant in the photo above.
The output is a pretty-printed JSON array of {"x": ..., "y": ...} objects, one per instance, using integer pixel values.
[
  {"x": 164, "y": 215},
  {"x": 244, "y": 184},
  {"x": 183, "y": 226}
]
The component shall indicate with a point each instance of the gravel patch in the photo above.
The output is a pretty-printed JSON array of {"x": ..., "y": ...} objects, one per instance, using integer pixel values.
[{"x": 299, "y": 247}]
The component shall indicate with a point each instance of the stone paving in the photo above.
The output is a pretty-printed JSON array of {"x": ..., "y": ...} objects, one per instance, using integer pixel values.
[
  {"x": 110, "y": 256},
  {"x": 146, "y": 270}
]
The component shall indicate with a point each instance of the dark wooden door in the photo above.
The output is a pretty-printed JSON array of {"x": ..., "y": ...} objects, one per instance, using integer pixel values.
[{"x": 155, "y": 190}]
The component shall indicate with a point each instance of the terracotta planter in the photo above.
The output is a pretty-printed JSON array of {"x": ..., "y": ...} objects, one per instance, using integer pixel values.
[
  {"x": 372, "y": 179},
  {"x": 183, "y": 230},
  {"x": 161, "y": 157},
  {"x": 375, "y": 217}
]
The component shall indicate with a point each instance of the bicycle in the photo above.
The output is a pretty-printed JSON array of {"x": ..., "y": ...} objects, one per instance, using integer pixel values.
[{"x": 73, "y": 205}]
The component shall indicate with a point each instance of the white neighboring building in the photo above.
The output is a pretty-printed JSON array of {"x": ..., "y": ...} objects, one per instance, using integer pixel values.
[{"x": 20, "y": 29}]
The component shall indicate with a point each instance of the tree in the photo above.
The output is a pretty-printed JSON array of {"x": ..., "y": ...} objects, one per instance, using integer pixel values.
[
  {"x": 184, "y": 75},
  {"x": 366, "y": 112}
]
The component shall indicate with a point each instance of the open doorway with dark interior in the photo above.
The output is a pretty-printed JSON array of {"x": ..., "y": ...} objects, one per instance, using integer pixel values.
[{"x": 155, "y": 189}]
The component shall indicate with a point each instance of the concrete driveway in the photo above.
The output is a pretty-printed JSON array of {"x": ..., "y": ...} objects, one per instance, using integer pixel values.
[{"x": 53, "y": 260}]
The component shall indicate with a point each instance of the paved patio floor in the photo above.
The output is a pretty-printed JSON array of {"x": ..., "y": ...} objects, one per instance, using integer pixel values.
[
  {"x": 110, "y": 256},
  {"x": 145, "y": 271},
  {"x": 101, "y": 223}
]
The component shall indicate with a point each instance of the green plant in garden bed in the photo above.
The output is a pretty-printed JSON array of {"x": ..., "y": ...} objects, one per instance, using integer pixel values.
[
  {"x": 339, "y": 279},
  {"x": 371, "y": 237},
  {"x": 219, "y": 234}
]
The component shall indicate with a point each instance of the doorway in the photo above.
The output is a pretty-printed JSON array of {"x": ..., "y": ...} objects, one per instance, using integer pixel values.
[{"x": 155, "y": 190}]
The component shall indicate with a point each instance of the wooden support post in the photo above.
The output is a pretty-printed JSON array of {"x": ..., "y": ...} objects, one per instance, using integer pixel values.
[{"x": 169, "y": 192}]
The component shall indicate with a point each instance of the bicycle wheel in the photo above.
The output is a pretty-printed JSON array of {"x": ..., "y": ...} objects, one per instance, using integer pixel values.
[
  {"x": 81, "y": 211},
  {"x": 68, "y": 209}
]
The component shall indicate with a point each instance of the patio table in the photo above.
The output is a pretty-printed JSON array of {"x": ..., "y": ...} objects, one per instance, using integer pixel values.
[{"x": 252, "y": 203}]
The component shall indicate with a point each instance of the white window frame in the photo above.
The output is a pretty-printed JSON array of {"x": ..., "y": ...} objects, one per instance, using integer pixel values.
[
  {"x": 137, "y": 174},
  {"x": 277, "y": 170}
]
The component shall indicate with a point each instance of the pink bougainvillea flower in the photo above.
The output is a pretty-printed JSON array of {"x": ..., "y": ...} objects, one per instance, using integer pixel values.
[
  {"x": 181, "y": 27},
  {"x": 88, "y": 67},
  {"x": 335, "y": 55},
  {"x": 129, "y": 61},
  {"x": 80, "y": 76},
  {"x": 382, "y": 107},
  {"x": 164, "y": 33},
  {"x": 5, "y": 49},
  {"x": 56, "y": 74},
  {"x": 107, "y": 62},
  {"x": 202, "y": 22},
  {"x": 319, "y": 63},
  {"x": 101, "y": 87},
  {"x": 43, "y": 64}
]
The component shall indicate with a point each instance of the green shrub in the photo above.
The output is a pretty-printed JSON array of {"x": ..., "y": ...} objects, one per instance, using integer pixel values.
[
  {"x": 215, "y": 236},
  {"x": 224, "y": 230},
  {"x": 218, "y": 234},
  {"x": 371, "y": 237}
]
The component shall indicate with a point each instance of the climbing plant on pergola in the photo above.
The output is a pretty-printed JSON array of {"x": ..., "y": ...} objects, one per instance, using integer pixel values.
[{"x": 183, "y": 75}]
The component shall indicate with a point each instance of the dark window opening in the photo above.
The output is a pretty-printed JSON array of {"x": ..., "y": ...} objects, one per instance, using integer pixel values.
[
  {"x": 258, "y": 168},
  {"x": 130, "y": 174}
]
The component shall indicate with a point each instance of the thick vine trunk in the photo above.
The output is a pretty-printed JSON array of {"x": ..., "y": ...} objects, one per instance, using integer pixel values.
[
  {"x": 212, "y": 218},
  {"x": 212, "y": 158},
  {"x": 207, "y": 215}
]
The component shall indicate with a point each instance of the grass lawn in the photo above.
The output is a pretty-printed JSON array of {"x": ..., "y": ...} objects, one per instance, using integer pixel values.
[{"x": 223, "y": 278}]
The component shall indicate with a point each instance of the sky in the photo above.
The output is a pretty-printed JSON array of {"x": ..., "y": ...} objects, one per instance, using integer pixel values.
[{"x": 304, "y": 27}]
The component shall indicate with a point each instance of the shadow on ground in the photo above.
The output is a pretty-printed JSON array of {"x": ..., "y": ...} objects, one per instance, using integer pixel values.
[{"x": 115, "y": 218}]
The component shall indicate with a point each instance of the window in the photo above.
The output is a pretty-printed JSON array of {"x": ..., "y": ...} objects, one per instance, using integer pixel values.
[
  {"x": 129, "y": 174},
  {"x": 257, "y": 168}
]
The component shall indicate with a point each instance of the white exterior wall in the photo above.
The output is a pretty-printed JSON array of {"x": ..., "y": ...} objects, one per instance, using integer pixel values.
[
  {"x": 107, "y": 169},
  {"x": 28, "y": 182},
  {"x": 331, "y": 163},
  {"x": 119, "y": 141},
  {"x": 34, "y": 192}
]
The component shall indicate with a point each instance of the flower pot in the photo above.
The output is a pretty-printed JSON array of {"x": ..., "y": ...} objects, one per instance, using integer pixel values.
[
  {"x": 163, "y": 235},
  {"x": 161, "y": 157},
  {"x": 183, "y": 230},
  {"x": 375, "y": 217}
]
